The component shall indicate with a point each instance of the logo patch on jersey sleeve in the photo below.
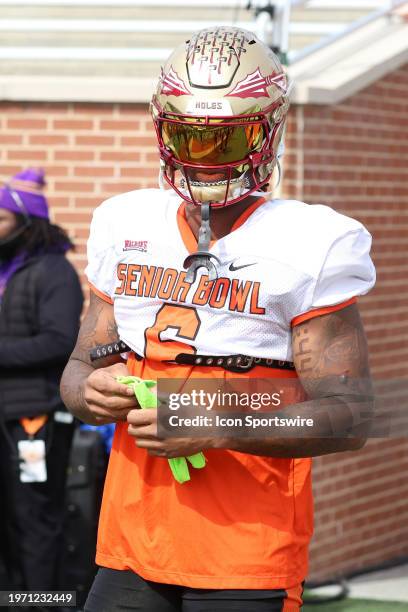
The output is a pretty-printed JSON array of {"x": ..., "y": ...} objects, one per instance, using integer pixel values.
[{"x": 135, "y": 245}]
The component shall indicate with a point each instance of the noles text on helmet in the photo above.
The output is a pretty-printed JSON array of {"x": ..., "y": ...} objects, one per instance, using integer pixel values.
[{"x": 219, "y": 112}]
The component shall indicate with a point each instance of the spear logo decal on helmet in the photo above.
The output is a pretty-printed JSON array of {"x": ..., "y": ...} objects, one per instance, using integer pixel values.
[
  {"x": 255, "y": 85},
  {"x": 172, "y": 84}
]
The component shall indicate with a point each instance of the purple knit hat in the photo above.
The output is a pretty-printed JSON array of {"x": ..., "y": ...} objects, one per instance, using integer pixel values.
[{"x": 23, "y": 194}]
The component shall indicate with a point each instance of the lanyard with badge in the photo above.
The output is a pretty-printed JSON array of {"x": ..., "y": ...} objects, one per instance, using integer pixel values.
[{"x": 31, "y": 452}]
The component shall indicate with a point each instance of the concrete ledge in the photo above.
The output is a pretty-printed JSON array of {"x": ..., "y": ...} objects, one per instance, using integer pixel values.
[
  {"x": 330, "y": 77},
  {"x": 109, "y": 54},
  {"x": 116, "y": 3},
  {"x": 75, "y": 89}
]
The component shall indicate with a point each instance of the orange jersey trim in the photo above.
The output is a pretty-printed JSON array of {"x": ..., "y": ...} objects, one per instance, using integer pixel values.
[
  {"x": 100, "y": 294},
  {"x": 318, "y": 312},
  {"x": 190, "y": 241},
  {"x": 247, "y": 213},
  {"x": 293, "y": 600}
]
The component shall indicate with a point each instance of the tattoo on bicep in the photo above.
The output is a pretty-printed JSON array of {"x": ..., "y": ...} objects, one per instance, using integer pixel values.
[
  {"x": 87, "y": 338},
  {"x": 335, "y": 355},
  {"x": 89, "y": 327},
  {"x": 303, "y": 351},
  {"x": 112, "y": 330},
  {"x": 342, "y": 343}
]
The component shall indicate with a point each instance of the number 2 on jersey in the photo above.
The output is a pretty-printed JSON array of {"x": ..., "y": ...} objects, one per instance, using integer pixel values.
[{"x": 183, "y": 319}]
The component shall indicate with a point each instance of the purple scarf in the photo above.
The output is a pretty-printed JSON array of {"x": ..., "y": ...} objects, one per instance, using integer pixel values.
[{"x": 8, "y": 268}]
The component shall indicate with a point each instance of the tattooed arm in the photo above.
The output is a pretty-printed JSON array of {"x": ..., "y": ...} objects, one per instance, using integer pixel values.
[
  {"x": 90, "y": 391},
  {"x": 330, "y": 355}
]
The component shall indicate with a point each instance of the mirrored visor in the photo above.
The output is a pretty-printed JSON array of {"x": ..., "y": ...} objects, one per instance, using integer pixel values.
[{"x": 212, "y": 145}]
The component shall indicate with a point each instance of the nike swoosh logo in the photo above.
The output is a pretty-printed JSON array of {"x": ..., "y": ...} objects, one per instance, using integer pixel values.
[{"x": 233, "y": 268}]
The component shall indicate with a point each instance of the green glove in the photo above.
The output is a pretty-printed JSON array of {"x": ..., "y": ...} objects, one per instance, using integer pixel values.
[{"x": 147, "y": 399}]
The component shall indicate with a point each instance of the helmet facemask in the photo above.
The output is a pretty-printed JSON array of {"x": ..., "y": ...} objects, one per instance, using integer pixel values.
[{"x": 220, "y": 159}]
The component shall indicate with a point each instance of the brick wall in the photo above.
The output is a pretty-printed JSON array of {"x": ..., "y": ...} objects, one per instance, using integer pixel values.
[
  {"x": 352, "y": 156},
  {"x": 90, "y": 152}
]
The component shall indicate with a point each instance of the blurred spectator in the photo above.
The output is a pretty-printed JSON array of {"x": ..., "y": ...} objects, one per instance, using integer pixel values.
[{"x": 40, "y": 306}]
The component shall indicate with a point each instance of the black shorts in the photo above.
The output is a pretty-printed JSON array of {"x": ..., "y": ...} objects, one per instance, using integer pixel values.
[{"x": 115, "y": 591}]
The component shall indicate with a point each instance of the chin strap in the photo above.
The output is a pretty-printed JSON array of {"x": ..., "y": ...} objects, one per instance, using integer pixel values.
[{"x": 202, "y": 258}]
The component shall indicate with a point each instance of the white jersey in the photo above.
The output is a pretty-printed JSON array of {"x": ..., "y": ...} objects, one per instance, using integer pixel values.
[{"x": 285, "y": 259}]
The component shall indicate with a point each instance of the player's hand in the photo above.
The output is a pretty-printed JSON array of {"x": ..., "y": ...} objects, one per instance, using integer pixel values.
[
  {"x": 107, "y": 399},
  {"x": 143, "y": 427}
]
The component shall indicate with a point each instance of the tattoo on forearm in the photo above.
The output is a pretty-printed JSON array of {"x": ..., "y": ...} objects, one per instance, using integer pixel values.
[{"x": 72, "y": 391}]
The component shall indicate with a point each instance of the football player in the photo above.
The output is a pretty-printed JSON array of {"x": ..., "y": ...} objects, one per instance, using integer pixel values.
[{"x": 211, "y": 277}]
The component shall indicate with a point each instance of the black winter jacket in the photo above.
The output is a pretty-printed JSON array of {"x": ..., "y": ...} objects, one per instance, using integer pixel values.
[{"x": 39, "y": 323}]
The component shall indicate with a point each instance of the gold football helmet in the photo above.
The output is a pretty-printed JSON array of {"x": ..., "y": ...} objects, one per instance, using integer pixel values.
[{"x": 219, "y": 112}]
